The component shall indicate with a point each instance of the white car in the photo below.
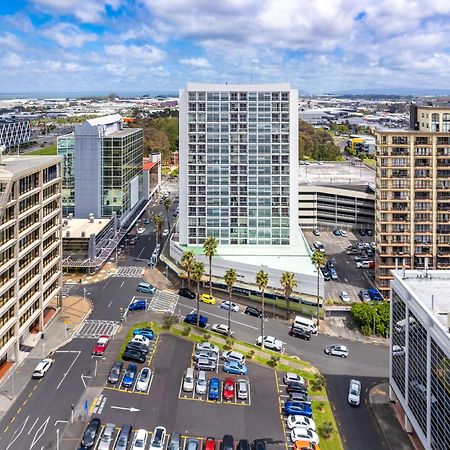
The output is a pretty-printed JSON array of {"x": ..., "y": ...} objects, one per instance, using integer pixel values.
[
  {"x": 158, "y": 438},
  {"x": 354, "y": 392},
  {"x": 302, "y": 433},
  {"x": 143, "y": 380},
  {"x": 296, "y": 421},
  {"x": 157, "y": 247},
  {"x": 141, "y": 230},
  {"x": 231, "y": 355},
  {"x": 398, "y": 350},
  {"x": 165, "y": 232},
  {"x": 318, "y": 244},
  {"x": 271, "y": 343},
  {"x": 207, "y": 346},
  {"x": 242, "y": 389},
  {"x": 221, "y": 329},
  {"x": 141, "y": 340},
  {"x": 373, "y": 244},
  {"x": 290, "y": 376},
  {"x": 42, "y": 368},
  {"x": 337, "y": 350},
  {"x": 201, "y": 385},
  {"x": 140, "y": 440},
  {"x": 107, "y": 437},
  {"x": 344, "y": 296},
  {"x": 229, "y": 305},
  {"x": 343, "y": 233}
]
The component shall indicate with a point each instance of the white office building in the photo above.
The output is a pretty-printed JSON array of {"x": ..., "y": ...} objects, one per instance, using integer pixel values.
[
  {"x": 420, "y": 353},
  {"x": 239, "y": 180}
]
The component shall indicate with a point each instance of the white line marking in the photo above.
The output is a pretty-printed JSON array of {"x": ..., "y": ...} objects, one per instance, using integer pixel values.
[
  {"x": 15, "y": 437},
  {"x": 29, "y": 432},
  {"x": 82, "y": 379},
  {"x": 110, "y": 303},
  {"x": 36, "y": 436},
  {"x": 126, "y": 409},
  {"x": 121, "y": 284},
  {"x": 60, "y": 421},
  {"x": 65, "y": 373}
]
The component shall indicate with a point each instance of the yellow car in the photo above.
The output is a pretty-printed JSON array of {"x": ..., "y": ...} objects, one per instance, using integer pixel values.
[{"x": 206, "y": 298}]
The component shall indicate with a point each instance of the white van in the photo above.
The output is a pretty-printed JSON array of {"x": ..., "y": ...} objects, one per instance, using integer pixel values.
[{"x": 305, "y": 324}]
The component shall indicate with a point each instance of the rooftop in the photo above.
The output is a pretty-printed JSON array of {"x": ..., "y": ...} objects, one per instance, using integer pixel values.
[
  {"x": 430, "y": 289},
  {"x": 238, "y": 87},
  {"x": 104, "y": 120},
  {"x": 16, "y": 166},
  {"x": 76, "y": 226},
  {"x": 124, "y": 132}
]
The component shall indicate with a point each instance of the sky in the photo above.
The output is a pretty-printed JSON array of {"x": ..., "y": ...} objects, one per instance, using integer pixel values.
[{"x": 318, "y": 46}]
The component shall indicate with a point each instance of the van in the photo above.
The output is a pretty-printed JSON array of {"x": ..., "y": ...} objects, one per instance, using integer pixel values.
[
  {"x": 146, "y": 288},
  {"x": 188, "y": 382},
  {"x": 305, "y": 324}
]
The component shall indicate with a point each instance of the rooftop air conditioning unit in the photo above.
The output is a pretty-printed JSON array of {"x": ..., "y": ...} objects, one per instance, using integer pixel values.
[
  {"x": 67, "y": 233},
  {"x": 83, "y": 234}
]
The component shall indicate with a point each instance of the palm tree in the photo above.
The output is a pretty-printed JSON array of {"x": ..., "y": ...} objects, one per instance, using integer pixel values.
[
  {"x": 198, "y": 271},
  {"x": 167, "y": 204},
  {"x": 210, "y": 249},
  {"x": 187, "y": 263},
  {"x": 319, "y": 260},
  {"x": 262, "y": 280},
  {"x": 158, "y": 222},
  {"x": 230, "y": 278},
  {"x": 289, "y": 283}
]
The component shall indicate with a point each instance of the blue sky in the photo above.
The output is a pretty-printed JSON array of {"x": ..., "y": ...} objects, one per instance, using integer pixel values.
[{"x": 160, "y": 45}]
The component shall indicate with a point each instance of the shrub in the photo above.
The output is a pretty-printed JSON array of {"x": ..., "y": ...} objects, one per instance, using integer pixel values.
[
  {"x": 318, "y": 382},
  {"x": 326, "y": 430},
  {"x": 186, "y": 330},
  {"x": 250, "y": 354},
  {"x": 168, "y": 321},
  {"x": 274, "y": 359},
  {"x": 206, "y": 336}
]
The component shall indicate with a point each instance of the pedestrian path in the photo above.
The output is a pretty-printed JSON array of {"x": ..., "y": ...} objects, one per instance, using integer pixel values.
[
  {"x": 96, "y": 328},
  {"x": 129, "y": 272},
  {"x": 66, "y": 288},
  {"x": 164, "y": 301}
]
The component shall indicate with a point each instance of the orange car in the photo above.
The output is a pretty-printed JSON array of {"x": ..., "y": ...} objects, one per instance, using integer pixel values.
[{"x": 305, "y": 445}]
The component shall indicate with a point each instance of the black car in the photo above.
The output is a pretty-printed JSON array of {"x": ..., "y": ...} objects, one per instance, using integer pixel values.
[
  {"x": 369, "y": 232},
  {"x": 243, "y": 445},
  {"x": 138, "y": 346},
  {"x": 227, "y": 442},
  {"x": 296, "y": 386},
  {"x": 300, "y": 333},
  {"x": 114, "y": 373},
  {"x": 90, "y": 435},
  {"x": 362, "y": 232},
  {"x": 258, "y": 444},
  {"x": 326, "y": 274},
  {"x": 133, "y": 355},
  {"x": 330, "y": 264},
  {"x": 185, "y": 292},
  {"x": 252, "y": 311}
]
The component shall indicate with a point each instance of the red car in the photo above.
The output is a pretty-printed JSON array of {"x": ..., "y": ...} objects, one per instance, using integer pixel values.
[
  {"x": 228, "y": 389},
  {"x": 209, "y": 444},
  {"x": 100, "y": 346}
]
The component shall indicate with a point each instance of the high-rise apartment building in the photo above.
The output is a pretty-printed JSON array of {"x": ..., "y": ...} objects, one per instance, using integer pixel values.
[
  {"x": 239, "y": 180},
  {"x": 30, "y": 246},
  {"x": 103, "y": 168},
  {"x": 413, "y": 194}
]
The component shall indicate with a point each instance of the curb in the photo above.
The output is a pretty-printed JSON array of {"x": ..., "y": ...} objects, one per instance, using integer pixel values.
[{"x": 364, "y": 341}]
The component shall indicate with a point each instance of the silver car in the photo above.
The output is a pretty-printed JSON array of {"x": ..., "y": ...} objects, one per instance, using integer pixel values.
[
  {"x": 205, "y": 354},
  {"x": 205, "y": 364},
  {"x": 242, "y": 389},
  {"x": 201, "y": 384},
  {"x": 106, "y": 440}
]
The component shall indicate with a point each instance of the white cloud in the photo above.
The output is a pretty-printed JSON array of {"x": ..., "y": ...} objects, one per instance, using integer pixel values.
[
  {"x": 195, "y": 62},
  {"x": 146, "y": 54},
  {"x": 68, "y": 35},
  {"x": 10, "y": 40},
  {"x": 12, "y": 61},
  {"x": 88, "y": 11}
]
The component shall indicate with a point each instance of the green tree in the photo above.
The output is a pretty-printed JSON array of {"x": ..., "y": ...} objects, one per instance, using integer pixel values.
[
  {"x": 167, "y": 204},
  {"x": 198, "y": 271},
  {"x": 318, "y": 259},
  {"x": 230, "y": 279},
  {"x": 210, "y": 250},
  {"x": 187, "y": 263},
  {"x": 289, "y": 283},
  {"x": 158, "y": 222},
  {"x": 262, "y": 280}
]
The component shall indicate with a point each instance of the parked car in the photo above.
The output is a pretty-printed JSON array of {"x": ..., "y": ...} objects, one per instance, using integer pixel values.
[
  {"x": 146, "y": 332},
  {"x": 344, "y": 296},
  {"x": 290, "y": 377},
  {"x": 296, "y": 386},
  {"x": 114, "y": 373},
  {"x": 329, "y": 264},
  {"x": 100, "y": 346},
  {"x": 243, "y": 444},
  {"x": 270, "y": 343},
  {"x": 143, "y": 380},
  {"x": 201, "y": 384},
  {"x": 234, "y": 367},
  {"x": 241, "y": 389},
  {"x": 297, "y": 408},
  {"x": 107, "y": 437},
  {"x": 192, "y": 319},
  {"x": 337, "y": 232},
  {"x": 252, "y": 311},
  {"x": 174, "y": 442},
  {"x": 124, "y": 437},
  {"x": 209, "y": 444},
  {"x": 90, "y": 434},
  {"x": 185, "y": 292},
  {"x": 300, "y": 333},
  {"x": 365, "y": 264},
  {"x": 295, "y": 421},
  {"x": 205, "y": 364},
  {"x": 304, "y": 433},
  {"x": 258, "y": 444},
  {"x": 364, "y": 295},
  {"x": 192, "y": 444},
  {"x": 333, "y": 274},
  {"x": 137, "y": 305},
  {"x": 228, "y": 390},
  {"x": 165, "y": 232},
  {"x": 207, "y": 346},
  {"x": 227, "y": 442},
  {"x": 140, "y": 339},
  {"x": 226, "y": 304},
  {"x": 221, "y": 329},
  {"x": 316, "y": 232},
  {"x": 214, "y": 389},
  {"x": 354, "y": 392},
  {"x": 325, "y": 273},
  {"x": 158, "y": 438},
  {"x": 138, "y": 346},
  {"x": 231, "y": 355},
  {"x": 369, "y": 232},
  {"x": 398, "y": 350},
  {"x": 343, "y": 233},
  {"x": 337, "y": 350},
  {"x": 319, "y": 246},
  {"x": 42, "y": 368},
  {"x": 375, "y": 294},
  {"x": 188, "y": 380},
  {"x": 362, "y": 232},
  {"x": 297, "y": 396},
  {"x": 209, "y": 299},
  {"x": 140, "y": 440},
  {"x": 141, "y": 230},
  {"x": 130, "y": 376},
  {"x": 204, "y": 354}
]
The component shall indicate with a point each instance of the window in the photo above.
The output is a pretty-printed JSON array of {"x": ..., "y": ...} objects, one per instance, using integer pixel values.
[
  {"x": 435, "y": 122},
  {"x": 446, "y": 122}
]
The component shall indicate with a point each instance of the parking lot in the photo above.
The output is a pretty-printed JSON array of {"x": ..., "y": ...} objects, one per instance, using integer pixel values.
[
  {"x": 350, "y": 278},
  {"x": 192, "y": 415}
]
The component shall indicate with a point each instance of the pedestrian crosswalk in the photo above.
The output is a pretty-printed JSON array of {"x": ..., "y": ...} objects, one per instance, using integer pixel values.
[
  {"x": 66, "y": 288},
  {"x": 164, "y": 301},
  {"x": 129, "y": 272},
  {"x": 96, "y": 328}
]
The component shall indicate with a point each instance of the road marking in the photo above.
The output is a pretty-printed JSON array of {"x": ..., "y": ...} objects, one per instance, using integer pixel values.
[
  {"x": 110, "y": 303},
  {"x": 68, "y": 370},
  {"x": 37, "y": 436},
  {"x": 16, "y": 436},
  {"x": 123, "y": 408},
  {"x": 121, "y": 284},
  {"x": 29, "y": 431},
  {"x": 60, "y": 421},
  {"x": 82, "y": 379}
]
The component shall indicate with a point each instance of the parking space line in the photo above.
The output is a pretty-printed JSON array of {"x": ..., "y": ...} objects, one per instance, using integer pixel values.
[{"x": 282, "y": 418}]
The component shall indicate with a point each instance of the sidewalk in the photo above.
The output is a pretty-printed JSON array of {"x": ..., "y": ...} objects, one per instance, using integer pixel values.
[
  {"x": 107, "y": 270},
  {"x": 60, "y": 331},
  {"x": 395, "y": 436}
]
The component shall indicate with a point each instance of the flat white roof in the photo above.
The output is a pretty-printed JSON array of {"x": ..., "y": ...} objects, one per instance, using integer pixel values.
[
  {"x": 238, "y": 87},
  {"x": 431, "y": 289},
  {"x": 334, "y": 173},
  {"x": 77, "y": 226},
  {"x": 104, "y": 120}
]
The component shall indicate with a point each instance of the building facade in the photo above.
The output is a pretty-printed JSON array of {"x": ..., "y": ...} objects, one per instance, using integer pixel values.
[
  {"x": 14, "y": 132},
  {"x": 419, "y": 372},
  {"x": 30, "y": 247},
  {"x": 413, "y": 194},
  {"x": 66, "y": 149}
]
